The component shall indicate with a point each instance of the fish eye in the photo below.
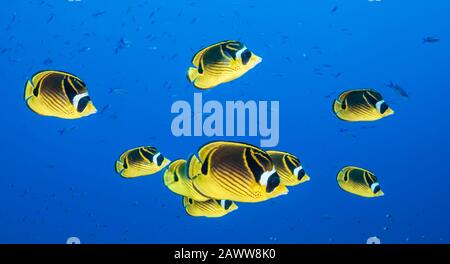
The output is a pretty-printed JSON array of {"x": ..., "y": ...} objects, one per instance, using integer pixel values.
[
  {"x": 190, "y": 200},
  {"x": 345, "y": 178},
  {"x": 273, "y": 182},
  {"x": 245, "y": 56},
  {"x": 344, "y": 104},
  {"x": 175, "y": 177}
]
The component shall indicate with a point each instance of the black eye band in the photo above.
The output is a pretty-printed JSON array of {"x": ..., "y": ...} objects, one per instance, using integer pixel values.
[
  {"x": 245, "y": 56},
  {"x": 83, "y": 103},
  {"x": 273, "y": 183}
]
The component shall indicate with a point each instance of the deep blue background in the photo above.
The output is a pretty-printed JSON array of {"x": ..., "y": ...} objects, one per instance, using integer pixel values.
[{"x": 54, "y": 186}]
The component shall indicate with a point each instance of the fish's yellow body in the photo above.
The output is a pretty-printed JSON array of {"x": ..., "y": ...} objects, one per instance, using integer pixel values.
[
  {"x": 140, "y": 161},
  {"x": 209, "y": 208},
  {"x": 359, "y": 181},
  {"x": 177, "y": 181},
  {"x": 234, "y": 171},
  {"x": 288, "y": 167},
  {"x": 361, "y": 105},
  {"x": 220, "y": 63},
  {"x": 58, "y": 94}
]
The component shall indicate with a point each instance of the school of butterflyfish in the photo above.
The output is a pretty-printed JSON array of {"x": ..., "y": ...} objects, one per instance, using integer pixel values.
[{"x": 221, "y": 173}]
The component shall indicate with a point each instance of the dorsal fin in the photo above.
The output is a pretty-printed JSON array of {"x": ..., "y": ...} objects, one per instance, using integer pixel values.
[{"x": 199, "y": 54}]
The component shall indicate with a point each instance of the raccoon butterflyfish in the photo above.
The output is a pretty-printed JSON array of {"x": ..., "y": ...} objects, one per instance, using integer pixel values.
[
  {"x": 209, "y": 208},
  {"x": 140, "y": 161},
  {"x": 359, "y": 181},
  {"x": 234, "y": 171},
  {"x": 288, "y": 167},
  {"x": 220, "y": 63},
  {"x": 176, "y": 180},
  {"x": 58, "y": 94},
  {"x": 361, "y": 105}
]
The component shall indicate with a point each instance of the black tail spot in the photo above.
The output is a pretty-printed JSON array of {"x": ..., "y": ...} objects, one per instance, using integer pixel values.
[
  {"x": 205, "y": 165},
  {"x": 344, "y": 105},
  {"x": 125, "y": 163}
]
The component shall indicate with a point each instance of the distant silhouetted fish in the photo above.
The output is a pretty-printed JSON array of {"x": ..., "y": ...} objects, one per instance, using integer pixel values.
[
  {"x": 431, "y": 40},
  {"x": 399, "y": 90},
  {"x": 97, "y": 14},
  {"x": 103, "y": 110},
  {"x": 117, "y": 91}
]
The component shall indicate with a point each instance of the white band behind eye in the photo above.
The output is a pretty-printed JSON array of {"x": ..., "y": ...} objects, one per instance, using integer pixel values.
[
  {"x": 378, "y": 105},
  {"x": 222, "y": 203},
  {"x": 155, "y": 158},
  {"x": 77, "y": 99},
  {"x": 297, "y": 170},
  {"x": 265, "y": 177},
  {"x": 373, "y": 186},
  {"x": 239, "y": 52}
]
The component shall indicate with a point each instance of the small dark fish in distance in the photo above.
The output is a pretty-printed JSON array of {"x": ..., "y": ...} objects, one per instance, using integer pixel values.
[
  {"x": 399, "y": 90},
  {"x": 334, "y": 9},
  {"x": 50, "y": 18},
  {"x": 117, "y": 91},
  {"x": 102, "y": 111},
  {"x": 100, "y": 13},
  {"x": 431, "y": 40},
  {"x": 84, "y": 49},
  {"x": 48, "y": 61}
]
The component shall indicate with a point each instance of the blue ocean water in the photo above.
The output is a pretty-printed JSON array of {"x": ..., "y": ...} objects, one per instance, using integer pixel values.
[{"x": 58, "y": 177}]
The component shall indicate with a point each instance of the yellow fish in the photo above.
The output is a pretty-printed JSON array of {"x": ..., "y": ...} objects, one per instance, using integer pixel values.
[
  {"x": 288, "y": 167},
  {"x": 176, "y": 180},
  {"x": 234, "y": 171},
  {"x": 361, "y": 105},
  {"x": 359, "y": 181},
  {"x": 58, "y": 94},
  {"x": 210, "y": 208},
  {"x": 220, "y": 63},
  {"x": 140, "y": 161}
]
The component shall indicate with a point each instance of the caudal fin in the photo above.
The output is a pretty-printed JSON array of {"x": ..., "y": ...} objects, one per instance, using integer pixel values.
[
  {"x": 192, "y": 74},
  {"x": 194, "y": 167},
  {"x": 337, "y": 106},
  {"x": 28, "y": 90},
  {"x": 119, "y": 167}
]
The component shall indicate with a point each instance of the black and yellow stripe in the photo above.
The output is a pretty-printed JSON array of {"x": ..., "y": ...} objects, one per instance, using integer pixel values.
[
  {"x": 234, "y": 171},
  {"x": 209, "y": 208},
  {"x": 58, "y": 94},
  {"x": 176, "y": 180},
  {"x": 140, "y": 161},
  {"x": 359, "y": 181},
  {"x": 361, "y": 105}
]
